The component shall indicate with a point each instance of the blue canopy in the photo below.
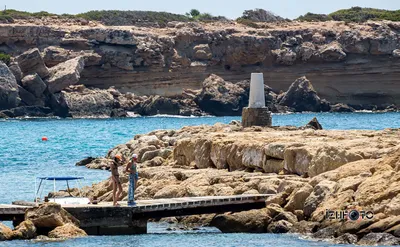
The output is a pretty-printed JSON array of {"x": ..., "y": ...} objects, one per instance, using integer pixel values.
[{"x": 60, "y": 178}]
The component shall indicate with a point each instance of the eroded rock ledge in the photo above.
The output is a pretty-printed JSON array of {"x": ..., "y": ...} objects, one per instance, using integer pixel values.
[
  {"x": 308, "y": 170},
  {"x": 355, "y": 64}
]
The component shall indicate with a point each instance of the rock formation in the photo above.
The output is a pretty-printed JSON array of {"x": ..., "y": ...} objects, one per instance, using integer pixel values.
[
  {"x": 68, "y": 230},
  {"x": 49, "y": 219},
  {"x": 49, "y": 215},
  {"x": 335, "y": 56},
  {"x": 56, "y": 90},
  {"x": 301, "y": 96},
  {"x": 65, "y": 74},
  {"x": 307, "y": 170},
  {"x": 8, "y": 88},
  {"x": 221, "y": 98},
  {"x": 32, "y": 62}
]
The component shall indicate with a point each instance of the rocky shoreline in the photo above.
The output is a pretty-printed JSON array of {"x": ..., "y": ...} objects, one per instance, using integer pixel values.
[
  {"x": 194, "y": 68},
  {"x": 309, "y": 171},
  {"x": 36, "y": 91}
]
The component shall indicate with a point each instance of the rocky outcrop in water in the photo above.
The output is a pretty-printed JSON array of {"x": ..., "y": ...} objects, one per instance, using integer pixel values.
[
  {"x": 47, "y": 219},
  {"x": 307, "y": 170},
  {"x": 221, "y": 98},
  {"x": 301, "y": 96}
]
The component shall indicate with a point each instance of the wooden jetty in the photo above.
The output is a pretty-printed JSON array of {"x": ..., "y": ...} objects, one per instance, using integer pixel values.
[{"x": 104, "y": 219}]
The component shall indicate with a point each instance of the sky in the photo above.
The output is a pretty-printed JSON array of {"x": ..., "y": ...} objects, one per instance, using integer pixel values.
[{"x": 231, "y": 9}]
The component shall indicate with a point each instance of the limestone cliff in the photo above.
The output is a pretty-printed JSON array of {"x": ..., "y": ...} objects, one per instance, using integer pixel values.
[{"x": 347, "y": 63}]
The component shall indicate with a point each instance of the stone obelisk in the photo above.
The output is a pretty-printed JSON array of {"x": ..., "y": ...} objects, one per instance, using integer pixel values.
[{"x": 256, "y": 114}]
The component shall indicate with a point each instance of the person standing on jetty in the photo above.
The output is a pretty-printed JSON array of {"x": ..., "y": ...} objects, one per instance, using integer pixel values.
[
  {"x": 117, "y": 187},
  {"x": 131, "y": 168}
]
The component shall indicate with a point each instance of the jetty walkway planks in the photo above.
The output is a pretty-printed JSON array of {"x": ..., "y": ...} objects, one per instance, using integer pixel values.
[{"x": 103, "y": 218}]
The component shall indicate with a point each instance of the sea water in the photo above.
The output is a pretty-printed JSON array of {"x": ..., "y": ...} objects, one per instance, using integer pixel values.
[{"x": 24, "y": 156}]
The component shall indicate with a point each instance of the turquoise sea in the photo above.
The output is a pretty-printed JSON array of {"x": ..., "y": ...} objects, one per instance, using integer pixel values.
[{"x": 23, "y": 156}]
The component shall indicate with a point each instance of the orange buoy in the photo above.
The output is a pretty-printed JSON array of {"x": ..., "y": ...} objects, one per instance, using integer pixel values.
[{"x": 44, "y": 138}]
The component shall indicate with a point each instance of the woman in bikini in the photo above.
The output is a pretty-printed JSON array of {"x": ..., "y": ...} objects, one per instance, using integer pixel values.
[{"x": 117, "y": 187}]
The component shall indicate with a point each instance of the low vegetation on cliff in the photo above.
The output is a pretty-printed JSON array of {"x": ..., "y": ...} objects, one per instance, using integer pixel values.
[
  {"x": 5, "y": 58},
  {"x": 358, "y": 14},
  {"x": 117, "y": 17},
  {"x": 354, "y": 14},
  {"x": 314, "y": 17},
  {"x": 249, "y": 17}
]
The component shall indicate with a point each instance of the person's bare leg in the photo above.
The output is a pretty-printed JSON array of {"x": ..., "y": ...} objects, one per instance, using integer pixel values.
[
  {"x": 114, "y": 192},
  {"x": 119, "y": 191}
]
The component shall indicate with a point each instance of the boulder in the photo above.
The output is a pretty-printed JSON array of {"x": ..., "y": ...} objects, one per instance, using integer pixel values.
[
  {"x": 25, "y": 230},
  {"x": 298, "y": 197},
  {"x": 326, "y": 233},
  {"x": 34, "y": 84},
  {"x": 307, "y": 50},
  {"x": 49, "y": 216},
  {"x": 275, "y": 150},
  {"x": 16, "y": 70},
  {"x": 301, "y": 96},
  {"x": 68, "y": 230},
  {"x": 141, "y": 151},
  {"x": 285, "y": 56},
  {"x": 28, "y": 98},
  {"x": 99, "y": 163},
  {"x": 157, "y": 161},
  {"x": 149, "y": 155},
  {"x": 287, "y": 216},
  {"x": 314, "y": 124},
  {"x": 332, "y": 52},
  {"x": 53, "y": 55},
  {"x": 5, "y": 232},
  {"x": 165, "y": 153},
  {"x": 32, "y": 62},
  {"x": 273, "y": 166},
  {"x": 199, "y": 220},
  {"x": 341, "y": 108},
  {"x": 281, "y": 226},
  {"x": 57, "y": 104},
  {"x": 65, "y": 74},
  {"x": 317, "y": 196},
  {"x": 221, "y": 98},
  {"x": 379, "y": 239},
  {"x": 184, "y": 152},
  {"x": 346, "y": 238},
  {"x": 83, "y": 102},
  {"x": 157, "y": 105},
  {"x": 382, "y": 225},
  {"x": 254, "y": 221},
  {"x": 305, "y": 227},
  {"x": 85, "y": 161},
  {"x": 8, "y": 88},
  {"x": 202, "y": 156},
  {"x": 170, "y": 191}
]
